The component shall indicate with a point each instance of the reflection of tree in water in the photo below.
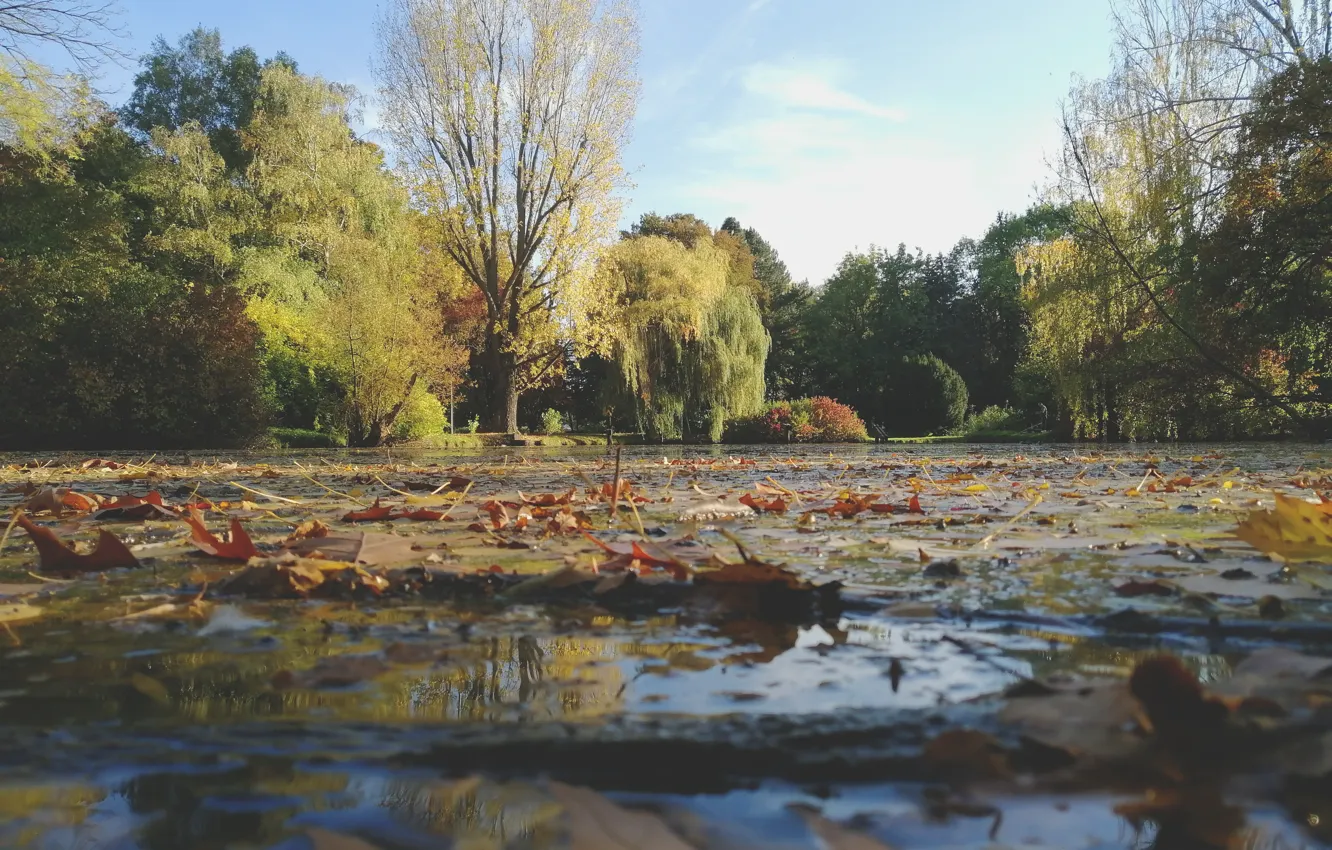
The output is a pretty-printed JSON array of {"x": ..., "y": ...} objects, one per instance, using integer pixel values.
[
  {"x": 1104, "y": 656},
  {"x": 215, "y": 809},
  {"x": 466, "y": 809},
  {"x": 566, "y": 675}
]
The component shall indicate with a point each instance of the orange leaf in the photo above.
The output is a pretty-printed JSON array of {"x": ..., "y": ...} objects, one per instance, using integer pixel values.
[
  {"x": 913, "y": 506},
  {"x": 238, "y": 548},
  {"x": 373, "y": 513},
  {"x": 420, "y": 514},
  {"x": 774, "y": 506},
  {"x": 54, "y": 556}
]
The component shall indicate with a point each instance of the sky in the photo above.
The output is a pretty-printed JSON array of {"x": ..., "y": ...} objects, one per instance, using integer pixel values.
[{"x": 827, "y": 125}]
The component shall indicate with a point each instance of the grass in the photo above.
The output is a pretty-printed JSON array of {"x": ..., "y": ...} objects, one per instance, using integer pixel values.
[
  {"x": 482, "y": 440},
  {"x": 304, "y": 438}
]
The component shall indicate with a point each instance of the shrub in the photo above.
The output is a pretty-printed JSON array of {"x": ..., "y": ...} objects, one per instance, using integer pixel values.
[
  {"x": 992, "y": 419},
  {"x": 474, "y": 424},
  {"x": 552, "y": 422},
  {"x": 835, "y": 422},
  {"x": 422, "y": 416},
  {"x": 806, "y": 420},
  {"x": 927, "y": 396}
]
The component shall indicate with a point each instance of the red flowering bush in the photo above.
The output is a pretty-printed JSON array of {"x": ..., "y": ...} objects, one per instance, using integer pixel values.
[
  {"x": 836, "y": 422},
  {"x": 806, "y": 420}
]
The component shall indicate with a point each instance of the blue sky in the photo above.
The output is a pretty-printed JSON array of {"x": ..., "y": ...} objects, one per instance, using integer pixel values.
[{"x": 826, "y": 124}]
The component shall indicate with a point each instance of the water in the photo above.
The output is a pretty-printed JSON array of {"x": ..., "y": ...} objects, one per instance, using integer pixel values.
[{"x": 408, "y": 723}]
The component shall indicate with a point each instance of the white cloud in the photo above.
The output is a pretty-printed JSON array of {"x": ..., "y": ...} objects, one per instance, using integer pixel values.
[
  {"x": 819, "y": 171},
  {"x": 811, "y": 87}
]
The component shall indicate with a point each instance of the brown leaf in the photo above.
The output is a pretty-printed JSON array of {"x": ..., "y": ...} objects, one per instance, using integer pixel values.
[
  {"x": 751, "y": 571},
  {"x": 366, "y": 548},
  {"x": 56, "y": 500},
  {"x": 776, "y": 506},
  {"x": 373, "y": 513},
  {"x": 1183, "y": 717},
  {"x": 1133, "y": 588},
  {"x": 323, "y": 839},
  {"x": 238, "y": 548},
  {"x": 273, "y": 580},
  {"x": 833, "y": 836},
  {"x": 596, "y": 823},
  {"x": 54, "y": 556},
  {"x": 308, "y": 530}
]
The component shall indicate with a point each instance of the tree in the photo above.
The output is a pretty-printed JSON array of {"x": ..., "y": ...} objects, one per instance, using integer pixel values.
[
  {"x": 342, "y": 278},
  {"x": 196, "y": 82},
  {"x": 104, "y": 349},
  {"x": 83, "y": 29},
  {"x": 782, "y": 304},
  {"x": 511, "y": 117},
  {"x": 690, "y": 346}
]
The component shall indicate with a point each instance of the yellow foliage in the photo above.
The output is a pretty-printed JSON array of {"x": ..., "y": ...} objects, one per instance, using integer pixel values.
[{"x": 1295, "y": 530}]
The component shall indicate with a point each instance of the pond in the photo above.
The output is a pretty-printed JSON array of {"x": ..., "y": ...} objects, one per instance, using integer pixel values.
[{"x": 684, "y": 647}]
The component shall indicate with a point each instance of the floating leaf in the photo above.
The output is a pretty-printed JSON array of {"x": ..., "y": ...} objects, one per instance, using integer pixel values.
[
  {"x": 54, "y": 556},
  {"x": 238, "y": 548},
  {"x": 1295, "y": 530}
]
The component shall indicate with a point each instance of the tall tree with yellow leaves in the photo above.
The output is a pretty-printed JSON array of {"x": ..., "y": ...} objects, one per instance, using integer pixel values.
[{"x": 510, "y": 116}]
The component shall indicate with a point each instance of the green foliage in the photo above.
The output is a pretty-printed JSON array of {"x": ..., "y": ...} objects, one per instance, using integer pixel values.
[
  {"x": 926, "y": 396},
  {"x": 304, "y": 438},
  {"x": 992, "y": 419},
  {"x": 197, "y": 83},
  {"x": 474, "y": 424},
  {"x": 552, "y": 422},
  {"x": 102, "y": 349},
  {"x": 690, "y": 345},
  {"x": 422, "y": 417}
]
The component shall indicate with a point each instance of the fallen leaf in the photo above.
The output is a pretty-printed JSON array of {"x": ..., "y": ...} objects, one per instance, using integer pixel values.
[
  {"x": 307, "y": 530},
  {"x": 833, "y": 836},
  {"x": 1295, "y": 530},
  {"x": 18, "y": 612},
  {"x": 367, "y": 548},
  {"x": 596, "y": 823},
  {"x": 773, "y": 506},
  {"x": 323, "y": 839},
  {"x": 238, "y": 548},
  {"x": 1133, "y": 588},
  {"x": 54, "y": 556},
  {"x": 374, "y": 513}
]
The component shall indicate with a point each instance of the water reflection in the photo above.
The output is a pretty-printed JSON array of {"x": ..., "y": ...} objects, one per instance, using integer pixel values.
[{"x": 277, "y": 803}]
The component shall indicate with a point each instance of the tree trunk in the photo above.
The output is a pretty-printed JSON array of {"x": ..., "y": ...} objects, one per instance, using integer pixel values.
[{"x": 511, "y": 408}]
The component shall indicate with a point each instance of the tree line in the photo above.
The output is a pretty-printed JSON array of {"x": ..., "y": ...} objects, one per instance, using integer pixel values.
[{"x": 224, "y": 253}]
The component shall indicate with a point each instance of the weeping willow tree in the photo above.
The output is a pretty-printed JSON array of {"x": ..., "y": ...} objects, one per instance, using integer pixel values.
[{"x": 690, "y": 347}]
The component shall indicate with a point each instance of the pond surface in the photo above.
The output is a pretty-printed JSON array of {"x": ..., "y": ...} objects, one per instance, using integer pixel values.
[{"x": 166, "y": 706}]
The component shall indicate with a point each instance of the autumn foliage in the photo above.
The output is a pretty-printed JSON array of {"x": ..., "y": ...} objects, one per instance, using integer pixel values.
[{"x": 807, "y": 420}]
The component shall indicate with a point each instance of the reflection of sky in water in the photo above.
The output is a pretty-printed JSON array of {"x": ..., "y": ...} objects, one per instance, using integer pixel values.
[{"x": 820, "y": 673}]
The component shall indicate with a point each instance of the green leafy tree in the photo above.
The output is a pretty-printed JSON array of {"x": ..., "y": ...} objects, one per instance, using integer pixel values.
[
  {"x": 105, "y": 350},
  {"x": 511, "y": 116},
  {"x": 782, "y": 304},
  {"x": 927, "y": 397},
  {"x": 690, "y": 347},
  {"x": 197, "y": 82}
]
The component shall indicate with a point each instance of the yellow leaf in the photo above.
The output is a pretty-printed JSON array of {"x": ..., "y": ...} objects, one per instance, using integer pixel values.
[{"x": 1295, "y": 530}]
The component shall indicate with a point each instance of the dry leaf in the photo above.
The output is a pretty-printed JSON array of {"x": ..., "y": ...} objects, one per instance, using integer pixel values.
[
  {"x": 833, "y": 836},
  {"x": 54, "y": 556},
  {"x": 238, "y": 548},
  {"x": 596, "y": 823},
  {"x": 1295, "y": 530}
]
